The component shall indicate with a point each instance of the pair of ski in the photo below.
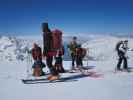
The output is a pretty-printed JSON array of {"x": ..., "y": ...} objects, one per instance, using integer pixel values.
[
  {"x": 128, "y": 70},
  {"x": 70, "y": 78},
  {"x": 45, "y": 80},
  {"x": 90, "y": 73}
]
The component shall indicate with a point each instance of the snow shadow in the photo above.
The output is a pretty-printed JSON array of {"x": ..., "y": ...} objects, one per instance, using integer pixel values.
[
  {"x": 88, "y": 67},
  {"x": 74, "y": 77}
]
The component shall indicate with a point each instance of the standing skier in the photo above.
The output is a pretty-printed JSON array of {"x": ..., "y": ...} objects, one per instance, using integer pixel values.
[
  {"x": 47, "y": 49},
  {"x": 72, "y": 49},
  {"x": 38, "y": 64},
  {"x": 52, "y": 41},
  {"x": 121, "y": 49}
]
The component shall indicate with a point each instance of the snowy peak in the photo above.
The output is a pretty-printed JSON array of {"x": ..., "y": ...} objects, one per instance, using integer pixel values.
[
  {"x": 12, "y": 48},
  {"x": 100, "y": 47}
]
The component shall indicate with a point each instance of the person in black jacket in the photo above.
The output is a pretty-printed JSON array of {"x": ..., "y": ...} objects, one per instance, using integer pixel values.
[{"x": 122, "y": 48}]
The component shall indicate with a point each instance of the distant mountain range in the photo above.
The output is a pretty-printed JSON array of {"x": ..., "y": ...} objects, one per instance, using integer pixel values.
[{"x": 14, "y": 48}]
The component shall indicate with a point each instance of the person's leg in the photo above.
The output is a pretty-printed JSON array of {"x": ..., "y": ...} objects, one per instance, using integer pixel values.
[
  {"x": 73, "y": 60},
  {"x": 49, "y": 63},
  {"x": 125, "y": 66},
  {"x": 56, "y": 67},
  {"x": 38, "y": 66},
  {"x": 120, "y": 54},
  {"x": 62, "y": 70},
  {"x": 81, "y": 61},
  {"x": 119, "y": 63},
  {"x": 34, "y": 64},
  {"x": 42, "y": 65},
  {"x": 59, "y": 65},
  {"x": 78, "y": 61},
  {"x": 34, "y": 68},
  {"x": 54, "y": 73},
  {"x": 52, "y": 69},
  {"x": 37, "y": 71}
]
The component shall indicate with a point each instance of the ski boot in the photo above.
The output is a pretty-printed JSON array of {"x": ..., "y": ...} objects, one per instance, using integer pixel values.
[{"x": 53, "y": 77}]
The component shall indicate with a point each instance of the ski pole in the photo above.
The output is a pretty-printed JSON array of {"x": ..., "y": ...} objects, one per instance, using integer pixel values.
[{"x": 29, "y": 61}]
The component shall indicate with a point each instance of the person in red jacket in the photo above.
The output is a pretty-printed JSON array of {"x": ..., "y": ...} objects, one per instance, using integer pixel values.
[
  {"x": 48, "y": 51},
  {"x": 38, "y": 64}
]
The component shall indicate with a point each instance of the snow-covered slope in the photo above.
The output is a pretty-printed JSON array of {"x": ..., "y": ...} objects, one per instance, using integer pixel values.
[{"x": 109, "y": 87}]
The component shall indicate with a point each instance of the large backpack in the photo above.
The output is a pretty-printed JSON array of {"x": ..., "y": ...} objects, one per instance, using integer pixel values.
[
  {"x": 57, "y": 39},
  {"x": 52, "y": 41},
  {"x": 118, "y": 45}
]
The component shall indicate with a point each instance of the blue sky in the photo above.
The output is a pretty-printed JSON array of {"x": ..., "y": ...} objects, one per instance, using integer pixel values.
[{"x": 24, "y": 17}]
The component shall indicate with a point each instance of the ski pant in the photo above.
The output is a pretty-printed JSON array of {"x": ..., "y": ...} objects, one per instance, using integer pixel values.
[
  {"x": 38, "y": 63},
  {"x": 59, "y": 65},
  {"x": 73, "y": 57},
  {"x": 123, "y": 59},
  {"x": 59, "y": 68},
  {"x": 37, "y": 68},
  {"x": 79, "y": 61},
  {"x": 49, "y": 60}
]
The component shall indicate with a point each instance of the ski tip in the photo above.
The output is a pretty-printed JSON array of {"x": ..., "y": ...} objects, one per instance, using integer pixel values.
[{"x": 23, "y": 81}]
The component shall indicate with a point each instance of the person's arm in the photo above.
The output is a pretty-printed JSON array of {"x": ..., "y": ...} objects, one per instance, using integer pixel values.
[{"x": 121, "y": 48}]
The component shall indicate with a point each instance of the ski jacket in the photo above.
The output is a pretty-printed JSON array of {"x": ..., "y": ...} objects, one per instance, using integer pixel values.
[
  {"x": 36, "y": 53},
  {"x": 123, "y": 48},
  {"x": 72, "y": 47}
]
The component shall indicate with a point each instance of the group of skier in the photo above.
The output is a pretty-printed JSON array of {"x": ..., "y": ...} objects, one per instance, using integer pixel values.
[
  {"x": 53, "y": 48},
  {"x": 77, "y": 53}
]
